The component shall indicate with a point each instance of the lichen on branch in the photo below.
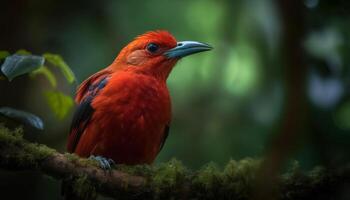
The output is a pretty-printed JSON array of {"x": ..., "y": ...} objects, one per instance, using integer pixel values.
[{"x": 169, "y": 180}]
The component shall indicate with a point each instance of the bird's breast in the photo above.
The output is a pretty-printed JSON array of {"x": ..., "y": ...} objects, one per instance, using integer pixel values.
[{"x": 132, "y": 112}]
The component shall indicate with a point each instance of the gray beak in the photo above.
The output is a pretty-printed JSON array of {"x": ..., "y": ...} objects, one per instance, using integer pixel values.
[{"x": 185, "y": 48}]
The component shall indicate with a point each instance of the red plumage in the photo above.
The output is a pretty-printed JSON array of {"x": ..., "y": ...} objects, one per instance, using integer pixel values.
[{"x": 124, "y": 110}]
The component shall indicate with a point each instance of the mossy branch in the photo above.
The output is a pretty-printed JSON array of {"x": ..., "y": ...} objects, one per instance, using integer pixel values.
[
  {"x": 19, "y": 154},
  {"x": 168, "y": 181}
]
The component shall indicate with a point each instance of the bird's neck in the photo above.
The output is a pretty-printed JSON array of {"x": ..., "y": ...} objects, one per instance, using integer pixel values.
[{"x": 159, "y": 71}]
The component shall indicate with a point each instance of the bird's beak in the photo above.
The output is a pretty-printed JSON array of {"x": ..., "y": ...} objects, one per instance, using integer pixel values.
[{"x": 185, "y": 48}]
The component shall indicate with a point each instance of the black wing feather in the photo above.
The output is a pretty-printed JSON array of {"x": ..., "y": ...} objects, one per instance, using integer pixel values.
[
  {"x": 166, "y": 133},
  {"x": 84, "y": 112}
]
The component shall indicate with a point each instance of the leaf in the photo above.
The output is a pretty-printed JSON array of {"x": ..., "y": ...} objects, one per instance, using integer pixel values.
[
  {"x": 23, "y": 117},
  {"x": 59, "y": 103},
  {"x": 16, "y": 65},
  {"x": 4, "y": 54},
  {"x": 57, "y": 61},
  {"x": 47, "y": 73},
  {"x": 23, "y": 52}
]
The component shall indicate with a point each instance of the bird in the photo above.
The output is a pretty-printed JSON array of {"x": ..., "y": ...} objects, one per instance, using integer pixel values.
[{"x": 124, "y": 111}]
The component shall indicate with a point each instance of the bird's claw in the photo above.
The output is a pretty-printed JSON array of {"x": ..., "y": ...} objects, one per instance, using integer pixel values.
[{"x": 105, "y": 163}]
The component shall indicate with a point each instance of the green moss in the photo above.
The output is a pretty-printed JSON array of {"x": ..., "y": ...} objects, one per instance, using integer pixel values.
[
  {"x": 169, "y": 179},
  {"x": 244, "y": 169},
  {"x": 84, "y": 188},
  {"x": 173, "y": 179},
  {"x": 71, "y": 157},
  {"x": 81, "y": 161},
  {"x": 11, "y": 136},
  {"x": 14, "y": 147},
  {"x": 208, "y": 176},
  {"x": 239, "y": 177},
  {"x": 170, "y": 173},
  {"x": 206, "y": 183},
  {"x": 137, "y": 170},
  {"x": 39, "y": 151}
]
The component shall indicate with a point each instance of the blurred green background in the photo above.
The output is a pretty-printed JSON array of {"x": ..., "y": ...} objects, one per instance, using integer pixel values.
[{"x": 227, "y": 103}]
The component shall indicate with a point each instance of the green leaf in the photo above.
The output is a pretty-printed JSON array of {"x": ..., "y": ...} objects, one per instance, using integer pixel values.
[
  {"x": 16, "y": 65},
  {"x": 23, "y": 52},
  {"x": 23, "y": 117},
  {"x": 47, "y": 73},
  {"x": 4, "y": 54},
  {"x": 59, "y": 103},
  {"x": 57, "y": 61}
]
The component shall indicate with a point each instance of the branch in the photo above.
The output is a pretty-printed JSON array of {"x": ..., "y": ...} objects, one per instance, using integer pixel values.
[
  {"x": 17, "y": 154},
  {"x": 169, "y": 180}
]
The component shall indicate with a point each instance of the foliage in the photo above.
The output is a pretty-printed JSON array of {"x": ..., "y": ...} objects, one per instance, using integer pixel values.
[
  {"x": 17, "y": 65},
  {"x": 58, "y": 61},
  {"x": 24, "y": 117},
  {"x": 47, "y": 73},
  {"x": 22, "y": 62},
  {"x": 4, "y": 54},
  {"x": 59, "y": 103}
]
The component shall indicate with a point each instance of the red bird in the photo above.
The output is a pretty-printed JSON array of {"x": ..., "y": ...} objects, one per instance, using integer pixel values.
[{"x": 124, "y": 110}]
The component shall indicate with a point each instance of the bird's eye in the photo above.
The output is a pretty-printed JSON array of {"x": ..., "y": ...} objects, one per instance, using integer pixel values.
[{"x": 151, "y": 47}]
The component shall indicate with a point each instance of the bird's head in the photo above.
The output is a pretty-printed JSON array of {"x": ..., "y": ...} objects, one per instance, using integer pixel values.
[{"x": 155, "y": 53}]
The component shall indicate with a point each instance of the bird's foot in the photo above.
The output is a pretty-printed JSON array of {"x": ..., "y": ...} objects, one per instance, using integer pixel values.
[{"x": 105, "y": 163}]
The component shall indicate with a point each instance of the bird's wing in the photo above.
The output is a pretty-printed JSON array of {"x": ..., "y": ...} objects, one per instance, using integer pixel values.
[
  {"x": 85, "y": 95},
  {"x": 165, "y": 136},
  {"x": 84, "y": 87}
]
